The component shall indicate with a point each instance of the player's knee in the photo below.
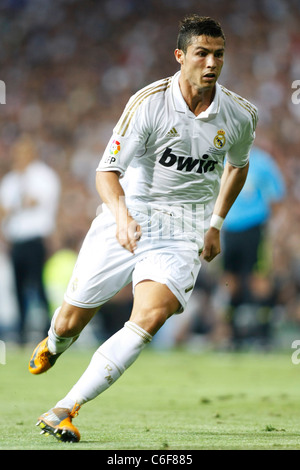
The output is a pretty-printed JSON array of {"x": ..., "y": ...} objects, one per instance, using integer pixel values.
[{"x": 151, "y": 319}]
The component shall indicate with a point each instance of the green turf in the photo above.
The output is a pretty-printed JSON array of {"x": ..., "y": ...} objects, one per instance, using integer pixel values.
[{"x": 166, "y": 400}]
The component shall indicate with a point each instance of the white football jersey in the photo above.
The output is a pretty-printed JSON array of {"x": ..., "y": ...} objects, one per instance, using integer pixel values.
[{"x": 168, "y": 156}]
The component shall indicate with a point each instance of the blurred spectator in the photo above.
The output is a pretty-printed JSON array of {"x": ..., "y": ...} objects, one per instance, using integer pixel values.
[
  {"x": 246, "y": 250},
  {"x": 29, "y": 197}
]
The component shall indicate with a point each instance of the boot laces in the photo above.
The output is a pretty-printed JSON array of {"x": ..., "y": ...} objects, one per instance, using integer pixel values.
[{"x": 75, "y": 410}]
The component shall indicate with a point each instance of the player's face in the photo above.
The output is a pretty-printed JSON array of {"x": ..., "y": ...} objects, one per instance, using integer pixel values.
[{"x": 202, "y": 63}]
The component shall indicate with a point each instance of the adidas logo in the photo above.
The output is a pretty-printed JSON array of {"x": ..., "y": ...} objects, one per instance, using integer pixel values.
[{"x": 173, "y": 133}]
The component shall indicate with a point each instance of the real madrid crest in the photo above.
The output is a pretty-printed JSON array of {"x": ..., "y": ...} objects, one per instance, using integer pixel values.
[{"x": 220, "y": 139}]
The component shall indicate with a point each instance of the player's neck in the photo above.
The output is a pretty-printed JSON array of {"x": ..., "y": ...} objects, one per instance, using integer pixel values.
[{"x": 198, "y": 100}]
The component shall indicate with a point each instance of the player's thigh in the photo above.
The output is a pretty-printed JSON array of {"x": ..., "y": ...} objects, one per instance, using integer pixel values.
[
  {"x": 102, "y": 269},
  {"x": 173, "y": 267},
  {"x": 153, "y": 304}
]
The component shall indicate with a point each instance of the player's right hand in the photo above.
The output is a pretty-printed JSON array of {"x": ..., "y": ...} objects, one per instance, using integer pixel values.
[{"x": 128, "y": 234}]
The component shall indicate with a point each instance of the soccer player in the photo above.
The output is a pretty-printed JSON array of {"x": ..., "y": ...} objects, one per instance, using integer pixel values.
[{"x": 165, "y": 195}]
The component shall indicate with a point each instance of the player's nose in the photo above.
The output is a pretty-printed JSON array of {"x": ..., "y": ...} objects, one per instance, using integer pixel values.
[{"x": 211, "y": 61}]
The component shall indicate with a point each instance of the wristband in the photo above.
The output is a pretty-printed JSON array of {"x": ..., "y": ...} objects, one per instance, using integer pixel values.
[{"x": 216, "y": 221}]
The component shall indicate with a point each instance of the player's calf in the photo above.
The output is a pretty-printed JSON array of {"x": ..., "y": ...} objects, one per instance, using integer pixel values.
[{"x": 48, "y": 351}]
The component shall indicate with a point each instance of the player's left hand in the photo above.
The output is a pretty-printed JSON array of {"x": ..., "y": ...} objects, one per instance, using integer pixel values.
[{"x": 212, "y": 244}]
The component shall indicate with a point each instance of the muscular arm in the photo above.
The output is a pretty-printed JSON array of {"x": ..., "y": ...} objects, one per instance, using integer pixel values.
[
  {"x": 232, "y": 182},
  {"x": 112, "y": 194}
]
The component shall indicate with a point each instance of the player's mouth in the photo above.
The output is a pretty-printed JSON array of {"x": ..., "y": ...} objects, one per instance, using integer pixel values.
[{"x": 210, "y": 76}]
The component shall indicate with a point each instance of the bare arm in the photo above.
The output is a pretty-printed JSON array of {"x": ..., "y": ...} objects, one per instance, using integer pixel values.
[
  {"x": 112, "y": 194},
  {"x": 232, "y": 182}
]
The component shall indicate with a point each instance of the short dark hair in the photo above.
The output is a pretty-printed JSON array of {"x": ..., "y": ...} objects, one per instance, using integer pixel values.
[{"x": 195, "y": 25}]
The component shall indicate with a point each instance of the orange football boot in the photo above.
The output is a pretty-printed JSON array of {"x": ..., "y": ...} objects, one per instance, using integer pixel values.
[
  {"x": 58, "y": 423},
  {"x": 42, "y": 359}
]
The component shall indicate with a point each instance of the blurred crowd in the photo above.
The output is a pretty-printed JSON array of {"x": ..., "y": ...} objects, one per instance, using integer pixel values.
[{"x": 69, "y": 67}]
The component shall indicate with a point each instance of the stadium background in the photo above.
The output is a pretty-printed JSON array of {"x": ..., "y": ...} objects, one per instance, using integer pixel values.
[{"x": 70, "y": 66}]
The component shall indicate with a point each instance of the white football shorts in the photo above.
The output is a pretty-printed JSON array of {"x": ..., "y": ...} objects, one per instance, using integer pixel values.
[{"x": 104, "y": 267}]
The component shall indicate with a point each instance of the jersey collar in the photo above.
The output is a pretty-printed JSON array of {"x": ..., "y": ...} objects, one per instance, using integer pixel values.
[{"x": 181, "y": 107}]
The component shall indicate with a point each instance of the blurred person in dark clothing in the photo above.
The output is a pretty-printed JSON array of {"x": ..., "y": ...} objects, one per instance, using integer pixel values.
[
  {"x": 29, "y": 198},
  {"x": 245, "y": 248}
]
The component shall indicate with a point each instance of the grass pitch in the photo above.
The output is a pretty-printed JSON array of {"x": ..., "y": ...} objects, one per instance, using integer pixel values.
[{"x": 174, "y": 400}]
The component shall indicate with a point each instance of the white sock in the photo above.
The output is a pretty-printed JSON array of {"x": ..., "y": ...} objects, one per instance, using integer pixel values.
[
  {"x": 58, "y": 344},
  {"x": 108, "y": 364}
]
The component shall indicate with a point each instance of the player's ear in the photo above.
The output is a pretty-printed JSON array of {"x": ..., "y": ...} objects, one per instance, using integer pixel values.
[{"x": 179, "y": 56}]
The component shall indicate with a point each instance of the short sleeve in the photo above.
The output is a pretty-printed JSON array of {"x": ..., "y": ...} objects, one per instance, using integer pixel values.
[
  {"x": 128, "y": 140},
  {"x": 238, "y": 155}
]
